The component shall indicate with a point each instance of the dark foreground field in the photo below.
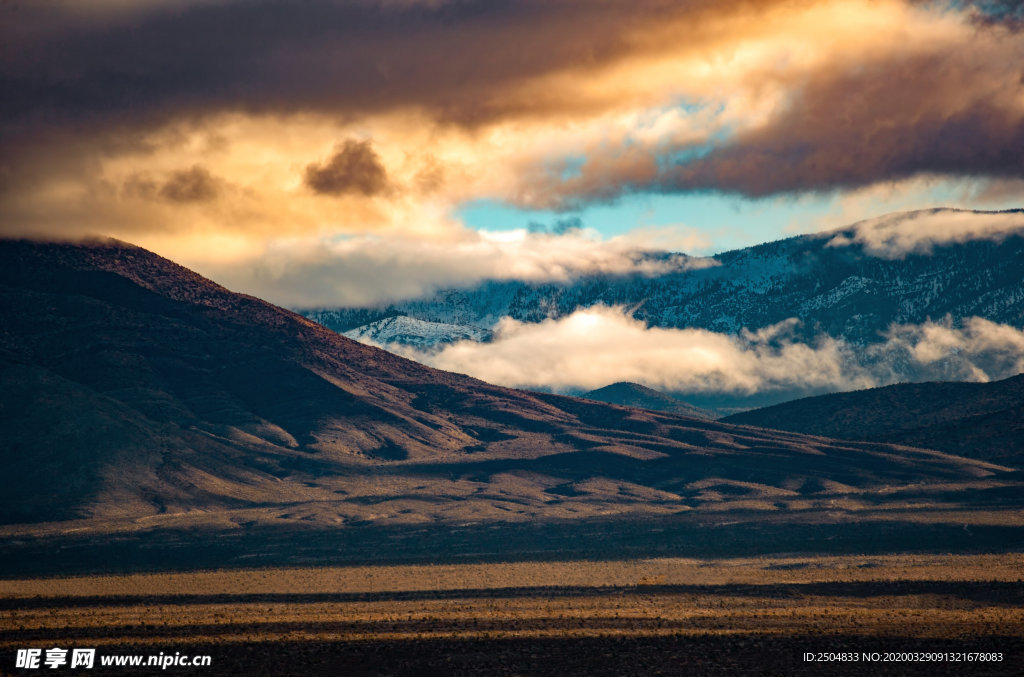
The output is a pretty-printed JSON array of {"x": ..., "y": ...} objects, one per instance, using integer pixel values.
[
  {"x": 737, "y": 654},
  {"x": 636, "y": 617}
]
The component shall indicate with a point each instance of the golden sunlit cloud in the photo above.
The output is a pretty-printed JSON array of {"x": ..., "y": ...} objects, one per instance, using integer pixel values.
[
  {"x": 370, "y": 270},
  {"x": 920, "y": 232},
  {"x": 299, "y": 123}
]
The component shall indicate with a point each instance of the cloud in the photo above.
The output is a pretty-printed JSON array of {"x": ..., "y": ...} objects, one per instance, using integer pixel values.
[
  {"x": 945, "y": 100},
  {"x": 675, "y": 238},
  {"x": 583, "y": 351},
  {"x": 559, "y": 227},
  {"x": 979, "y": 350},
  {"x": 935, "y": 112},
  {"x": 370, "y": 270},
  {"x": 994, "y": 191},
  {"x": 195, "y": 184},
  {"x": 274, "y": 56},
  {"x": 354, "y": 168},
  {"x": 1005, "y": 12},
  {"x": 538, "y": 103},
  {"x": 896, "y": 235}
]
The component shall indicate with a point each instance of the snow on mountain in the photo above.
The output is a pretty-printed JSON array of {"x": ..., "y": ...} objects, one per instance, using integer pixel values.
[
  {"x": 832, "y": 283},
  {"x": 409, "y": 331}
]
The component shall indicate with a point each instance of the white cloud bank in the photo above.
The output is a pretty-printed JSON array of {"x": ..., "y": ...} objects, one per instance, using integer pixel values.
[
  {"x": 893, "y": 236},
  {"x": 601, "y": 345},
  {"x": 368, "y": 270}
]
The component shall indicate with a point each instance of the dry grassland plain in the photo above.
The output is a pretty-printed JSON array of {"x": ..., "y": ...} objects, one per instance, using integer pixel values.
[{"x": 642, "y": 617}]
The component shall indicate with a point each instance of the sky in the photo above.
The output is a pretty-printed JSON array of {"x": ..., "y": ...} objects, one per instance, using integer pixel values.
[{"x": 436, "y": 142}]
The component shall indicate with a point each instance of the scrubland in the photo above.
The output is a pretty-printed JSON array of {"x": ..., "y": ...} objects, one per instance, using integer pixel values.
[{"x": 643, "y": 616}]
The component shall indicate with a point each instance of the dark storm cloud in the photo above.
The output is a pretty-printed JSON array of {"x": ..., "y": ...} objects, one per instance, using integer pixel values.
[
  {"x": 76, "y": 82},
  {"x": 859, "y": 129},
  {"x": 278, "y": 56},
  {"x": 937, "y": 113},
  {"x": 353, "y": 169},
  {"x": 190, "y": 185},
  {"x": 183, "y": 186}
]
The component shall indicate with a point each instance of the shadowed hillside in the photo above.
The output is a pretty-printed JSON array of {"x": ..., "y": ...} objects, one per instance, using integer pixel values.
[
  {"x": 977, "y": 420},
  {"x": 635, "y": 395},
  {"x": 136, "y": 393}
]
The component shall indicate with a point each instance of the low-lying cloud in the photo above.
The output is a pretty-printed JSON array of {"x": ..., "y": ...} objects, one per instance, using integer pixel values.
[
  {"x": 368, "y": 270},
  {"x": 896, "y": 235},
  {"x": 601, "y": 345}
]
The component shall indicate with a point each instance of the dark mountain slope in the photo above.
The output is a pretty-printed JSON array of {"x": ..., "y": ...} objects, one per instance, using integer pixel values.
[
  {"x": 978, "y": 420},
  {"x": 635, "y": 395},
  {"x": 135, "y": 391}
]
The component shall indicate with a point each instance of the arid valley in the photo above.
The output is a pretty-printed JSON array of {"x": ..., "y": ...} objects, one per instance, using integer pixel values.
[
  {"x": 534, "y": 338},
  {"x": 407, "y": 521},
  {"x": 628, "y": 617}
]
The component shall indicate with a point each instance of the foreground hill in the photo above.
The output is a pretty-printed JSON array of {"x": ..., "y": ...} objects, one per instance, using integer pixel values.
[
  {"x": 635, "y": 395},
  {"x": 978, "y": 420},
  {"x": 137, "y": 395}
]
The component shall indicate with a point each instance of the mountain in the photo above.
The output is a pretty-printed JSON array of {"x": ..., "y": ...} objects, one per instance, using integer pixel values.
[
  {"x": 977, "y": 420},
  {"x": 635, "y": 395},
  {"x": 408, "y": 331},
  {"x": 137, "y": 394},
  {"x": 849, "y": 291}
]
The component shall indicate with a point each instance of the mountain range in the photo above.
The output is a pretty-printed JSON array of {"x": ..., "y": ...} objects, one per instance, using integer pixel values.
[
  {"x": 137, "y": 394},
  {"x": 403, "y": 330},
  {"x": 832, "y": 282},
  {"x": 979, "y": 420}
]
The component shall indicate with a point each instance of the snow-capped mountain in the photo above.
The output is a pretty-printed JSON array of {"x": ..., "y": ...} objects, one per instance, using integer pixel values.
[
  {"x": 409, "y": 331},
  {"x": 833, "y": 283}
]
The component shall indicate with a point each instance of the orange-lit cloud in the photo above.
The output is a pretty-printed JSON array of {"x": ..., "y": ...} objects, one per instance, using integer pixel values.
[
  {"x": 371, "y": 270},
  {"x": 897, "y": 235},
  {"x": 175, "y": 125}
]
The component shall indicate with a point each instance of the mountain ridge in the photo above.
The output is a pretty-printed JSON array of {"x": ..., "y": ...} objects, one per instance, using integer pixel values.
[
  {"x": 843, "y": 291},
  {"x": 978, "y": 420},
  {"x": 408, "y": 331},
  {"x": 630, "y": 394},
  {"x": 137, "y": 393}
]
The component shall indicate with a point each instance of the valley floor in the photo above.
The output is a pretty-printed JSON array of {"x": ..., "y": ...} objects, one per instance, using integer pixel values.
[{"x": 647, "y": 616}]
